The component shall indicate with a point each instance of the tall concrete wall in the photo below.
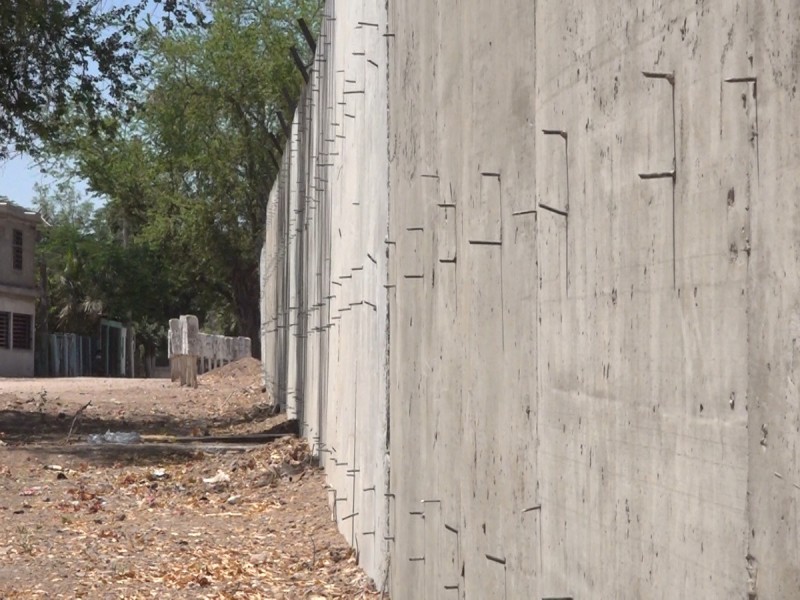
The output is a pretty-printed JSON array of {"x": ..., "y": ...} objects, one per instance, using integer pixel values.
[
  {"x": 324, "y": 268},
  {"x": 591, "y": 288}
]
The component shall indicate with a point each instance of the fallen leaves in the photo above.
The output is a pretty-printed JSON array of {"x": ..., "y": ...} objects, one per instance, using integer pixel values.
[
  {"x": 225, "y": 525},
  {"x": 120, "y": 530}
]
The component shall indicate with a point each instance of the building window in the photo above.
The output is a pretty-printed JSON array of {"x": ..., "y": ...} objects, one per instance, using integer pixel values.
[
  {"x": 23, "y": 336},
  {"x": 5, "y": 338},
  {"x": 17, "y": 250}
]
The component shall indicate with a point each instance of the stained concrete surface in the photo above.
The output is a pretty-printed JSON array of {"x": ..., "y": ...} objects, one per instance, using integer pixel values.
[{"x": 579, "y": 222}]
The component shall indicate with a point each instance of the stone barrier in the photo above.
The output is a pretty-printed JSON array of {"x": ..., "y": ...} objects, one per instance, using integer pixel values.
[{"x": 191, "y": 352}]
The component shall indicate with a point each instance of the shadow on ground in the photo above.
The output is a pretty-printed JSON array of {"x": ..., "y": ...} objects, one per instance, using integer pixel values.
[
  {"x": 144, "y": 454},
  {"x": 46, "y": 435},
  {"x": 25, "y": 427}
]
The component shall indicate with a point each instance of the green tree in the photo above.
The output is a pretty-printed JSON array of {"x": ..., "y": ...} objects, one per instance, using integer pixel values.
[
  {"x": 90, "y": 274},
  {"x": 68, "y": 60},
  {"x": 191, "y": 174},
  {"x": 59, "y": 57},
  {"x": 72, "y": 303}
]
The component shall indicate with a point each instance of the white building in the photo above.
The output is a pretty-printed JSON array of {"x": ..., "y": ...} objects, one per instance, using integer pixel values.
[{"x": 18, "y": 289}]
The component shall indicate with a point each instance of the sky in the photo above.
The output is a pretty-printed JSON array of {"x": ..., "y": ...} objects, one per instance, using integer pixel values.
[{"x": 17, "y": 177}]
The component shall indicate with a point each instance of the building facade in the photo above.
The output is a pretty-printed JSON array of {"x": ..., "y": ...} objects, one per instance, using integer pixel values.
[{"x": 18, "y": 289}]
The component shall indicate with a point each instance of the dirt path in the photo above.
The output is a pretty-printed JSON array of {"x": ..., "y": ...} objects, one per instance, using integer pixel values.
[{"x": 81, "y": 520}]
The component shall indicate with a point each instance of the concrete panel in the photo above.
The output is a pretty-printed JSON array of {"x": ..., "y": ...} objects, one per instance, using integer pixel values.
[{"x": 544, "y": 295}]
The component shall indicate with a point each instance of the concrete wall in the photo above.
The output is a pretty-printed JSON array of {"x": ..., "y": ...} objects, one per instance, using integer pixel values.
[
  {"x": 194, "y": 352},
  {"x": 324, "y": 267},
  {"x": 591, "y": 284}
]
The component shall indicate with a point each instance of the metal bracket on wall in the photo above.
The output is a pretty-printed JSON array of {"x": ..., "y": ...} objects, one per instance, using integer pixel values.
[{"x": 672, "y": 174}]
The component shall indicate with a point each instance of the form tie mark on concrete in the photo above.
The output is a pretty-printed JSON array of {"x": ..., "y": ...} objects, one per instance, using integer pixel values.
[
  {"x": 500, "y": 561},
  {"x": 671, "y": 174},
  {"x": 751, "y": 80},
  {"x": 565, "y": 212}
]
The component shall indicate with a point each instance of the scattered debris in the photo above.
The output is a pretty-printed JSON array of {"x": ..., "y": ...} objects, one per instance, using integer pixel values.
[
  {"x": 74, "y": 419},
  {"x": 220, "y": 477},
  {"x": 115, "y": 437},
  {"x": 157, "y": 474},
  {"x": 118, "y": 520}
]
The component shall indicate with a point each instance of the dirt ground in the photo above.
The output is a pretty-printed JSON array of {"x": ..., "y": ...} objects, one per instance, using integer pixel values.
[{"x": 163, "y": 518}]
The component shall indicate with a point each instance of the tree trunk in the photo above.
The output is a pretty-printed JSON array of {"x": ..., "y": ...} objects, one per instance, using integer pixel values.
[{"x": 248, "y": 308}]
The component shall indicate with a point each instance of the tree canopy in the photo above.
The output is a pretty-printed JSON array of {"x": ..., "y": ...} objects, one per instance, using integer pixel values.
[
  {"x": 62, "y": 60},
  {"x": 59, "y": 57},
  {"x": 187, "y": 173},
  {"x": 89, "y": 274}
]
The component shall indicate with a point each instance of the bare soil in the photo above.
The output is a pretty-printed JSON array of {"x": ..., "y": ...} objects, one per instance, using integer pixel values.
[{"x": 160, "y": 519}]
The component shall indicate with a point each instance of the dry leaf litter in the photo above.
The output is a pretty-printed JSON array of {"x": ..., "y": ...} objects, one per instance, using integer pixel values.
[{"x": 125, "y": 522}]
